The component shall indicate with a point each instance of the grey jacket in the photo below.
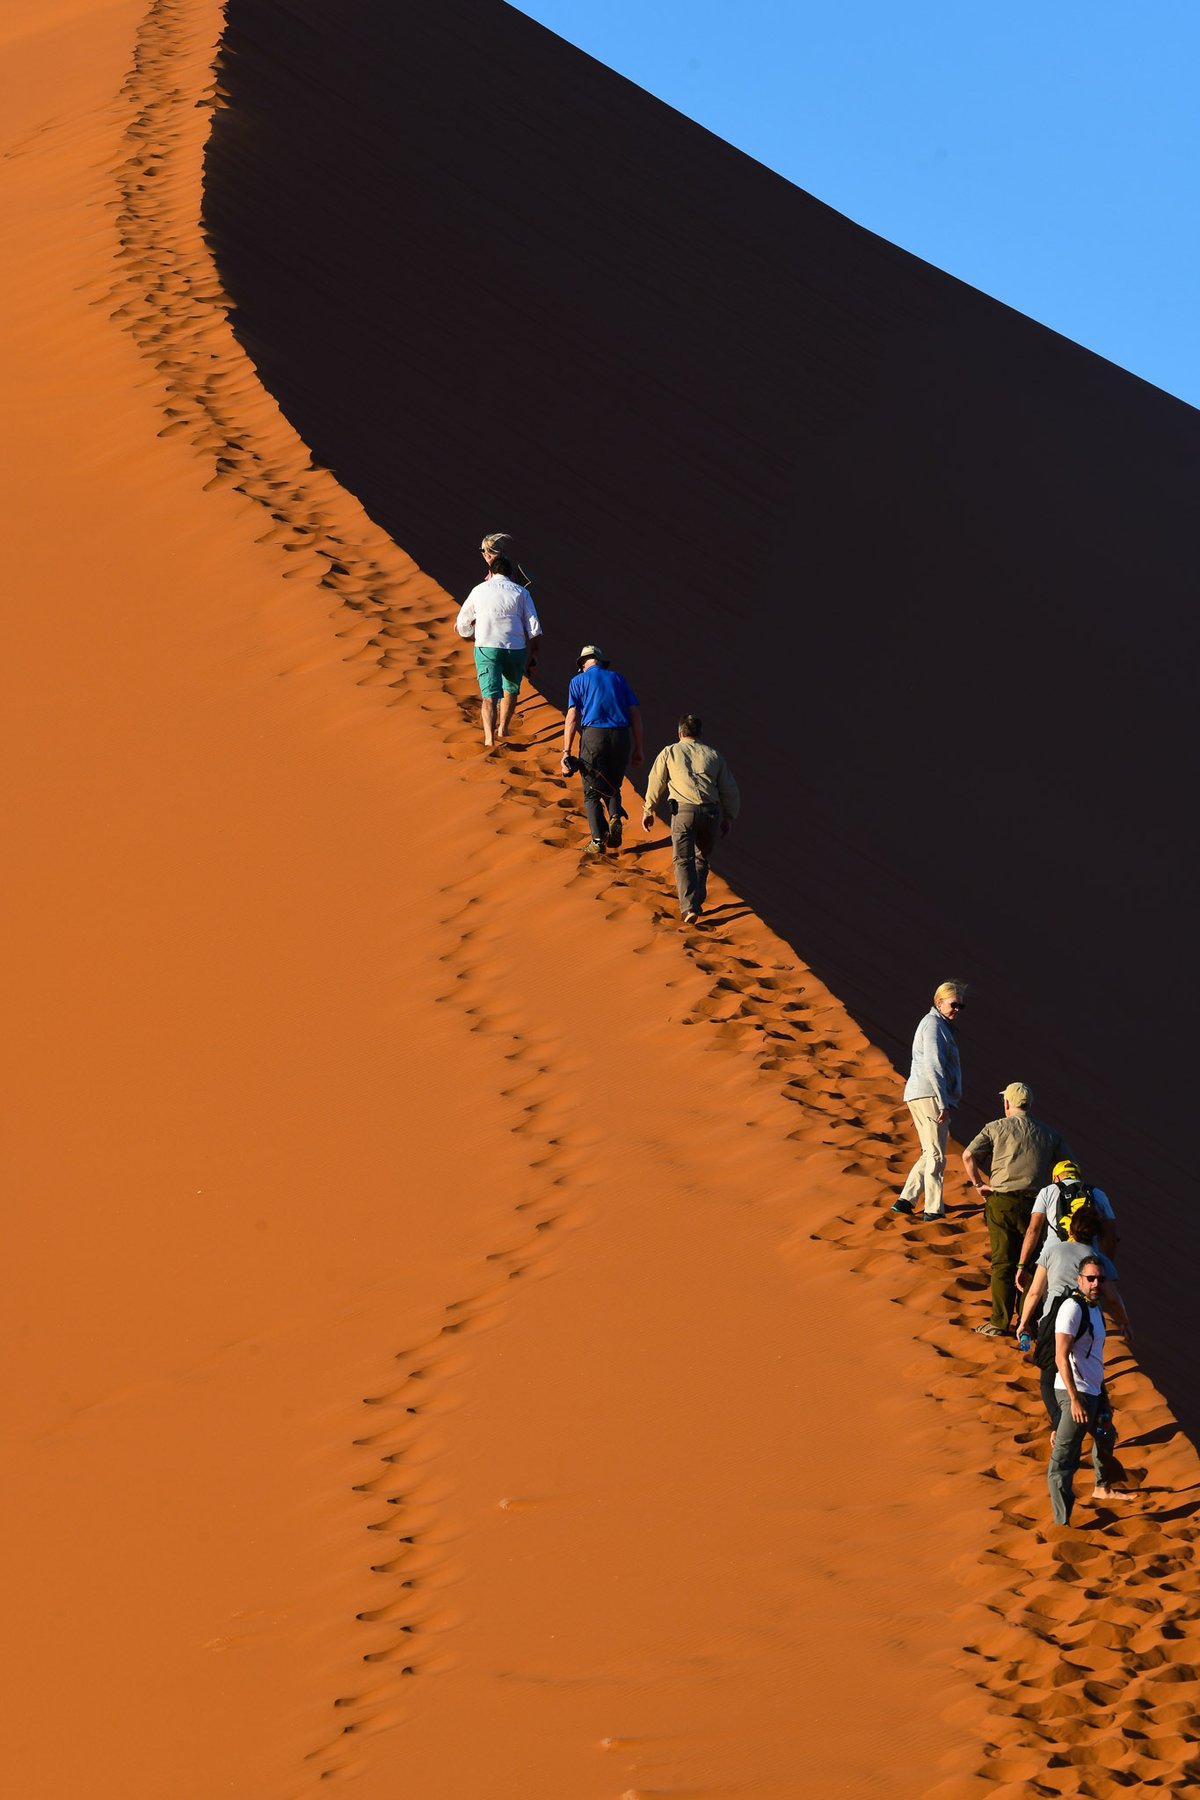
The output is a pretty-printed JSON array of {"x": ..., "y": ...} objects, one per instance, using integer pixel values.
[{"x": 936, "y": 1071}]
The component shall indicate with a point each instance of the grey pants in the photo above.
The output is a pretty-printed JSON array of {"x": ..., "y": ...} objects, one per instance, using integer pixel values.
[
  {"x": 694, "y": 832},
  {"x": 1104, "y": 1432},
  {"x": 603, "y": 760},
  {"x": 1066, "y": 1452}
]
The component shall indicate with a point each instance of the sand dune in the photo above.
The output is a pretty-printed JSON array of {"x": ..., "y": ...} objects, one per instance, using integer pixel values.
[
  {"x": 924, "y": 566},
  {"x": 461, "y": 1350}
]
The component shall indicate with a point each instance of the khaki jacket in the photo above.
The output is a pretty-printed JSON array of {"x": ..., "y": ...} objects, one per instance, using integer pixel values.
[{"x": 693, "y": 774}]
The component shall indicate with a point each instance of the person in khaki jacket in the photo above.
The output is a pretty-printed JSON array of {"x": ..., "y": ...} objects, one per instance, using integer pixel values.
[{"x": 704, "y": 801}]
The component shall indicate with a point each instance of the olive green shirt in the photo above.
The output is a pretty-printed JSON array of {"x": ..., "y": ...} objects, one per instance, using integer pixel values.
[{"x": 693, "y": 774}]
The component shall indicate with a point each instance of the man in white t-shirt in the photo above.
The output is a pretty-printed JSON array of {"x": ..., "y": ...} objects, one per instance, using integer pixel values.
[
  {"x": 499, "y": 614},
  {"x": 1079, "y": 1357}
]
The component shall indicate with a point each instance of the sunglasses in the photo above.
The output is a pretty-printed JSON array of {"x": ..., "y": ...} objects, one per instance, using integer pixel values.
[
  {"x": 957, "y": 1005},
  {"x": 1098, "y": 1279}
]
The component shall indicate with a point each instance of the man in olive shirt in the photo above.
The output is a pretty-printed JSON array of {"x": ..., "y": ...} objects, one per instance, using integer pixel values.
[
  {"x": 1020, "y": 1153},
  {"x": 704, "y": 803}
]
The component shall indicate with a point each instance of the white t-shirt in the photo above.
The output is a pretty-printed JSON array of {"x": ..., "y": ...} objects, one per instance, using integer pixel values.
[
  {"x": 499, "y": 614},
  {"x": 1087, "y": 1353}
]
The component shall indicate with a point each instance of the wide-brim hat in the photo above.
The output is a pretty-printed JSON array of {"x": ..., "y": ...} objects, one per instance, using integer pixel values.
[{"x": 592, "y": 653}]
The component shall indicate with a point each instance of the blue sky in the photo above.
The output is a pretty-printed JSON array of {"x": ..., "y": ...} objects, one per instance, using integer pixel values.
[{"x": 1047, "y": 153}]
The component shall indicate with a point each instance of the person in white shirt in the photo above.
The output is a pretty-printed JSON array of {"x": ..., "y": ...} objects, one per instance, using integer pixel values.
[
  {"x": 499, "y": 614},
  {"x": 1079, "y": 1357}
]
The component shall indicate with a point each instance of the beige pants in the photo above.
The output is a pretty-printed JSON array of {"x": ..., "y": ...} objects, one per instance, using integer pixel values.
[{"x": 926, "y": 1173}]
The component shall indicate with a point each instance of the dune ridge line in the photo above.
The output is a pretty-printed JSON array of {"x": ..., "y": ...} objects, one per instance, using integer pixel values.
[{"x": 1082, "y": 1648}]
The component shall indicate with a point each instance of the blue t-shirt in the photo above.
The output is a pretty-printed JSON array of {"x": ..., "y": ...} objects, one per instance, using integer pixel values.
[{"x": 601, "y": 697}]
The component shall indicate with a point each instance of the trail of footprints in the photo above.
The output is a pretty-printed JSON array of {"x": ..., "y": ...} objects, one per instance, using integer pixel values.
[
  {"x": 1069, "y": 1703},
  {"x": 1083, "y": 1643}
]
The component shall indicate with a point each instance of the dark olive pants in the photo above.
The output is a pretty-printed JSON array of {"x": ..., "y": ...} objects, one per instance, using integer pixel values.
[{"x": 1007, "y": 1217}]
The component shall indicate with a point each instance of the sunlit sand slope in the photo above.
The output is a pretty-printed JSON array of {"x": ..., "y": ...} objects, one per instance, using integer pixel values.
[
  {"x": 458, "y": 1350},
  {"x": 924, "y": 567}
]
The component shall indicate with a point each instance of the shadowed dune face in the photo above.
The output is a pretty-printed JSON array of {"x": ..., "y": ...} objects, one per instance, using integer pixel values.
[{"x": 921, "y": 564}]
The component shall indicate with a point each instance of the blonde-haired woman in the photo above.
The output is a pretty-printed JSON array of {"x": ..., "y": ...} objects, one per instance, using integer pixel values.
[
  {"x": 495, "y": 544},
  {"x": 932, "y": 1091},
  {"x": 496, "y": 549}
]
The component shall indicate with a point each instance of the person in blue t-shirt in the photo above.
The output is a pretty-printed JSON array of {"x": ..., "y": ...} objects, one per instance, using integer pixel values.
[{"x": 603, "y": 709}]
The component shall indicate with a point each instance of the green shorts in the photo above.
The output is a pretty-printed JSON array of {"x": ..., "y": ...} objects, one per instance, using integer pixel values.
[{"x": 499, "y": 671}]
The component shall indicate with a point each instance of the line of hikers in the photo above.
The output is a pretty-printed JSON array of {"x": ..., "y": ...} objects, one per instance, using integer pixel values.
[
  {"x": 604, "y": 715},
  {"x": 1052, "y": 1237}
]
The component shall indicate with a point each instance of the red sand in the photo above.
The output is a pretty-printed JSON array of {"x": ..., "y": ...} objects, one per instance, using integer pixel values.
[
  {"x": 925, "y": 567},
  {"x": 452, "y": 1307}
]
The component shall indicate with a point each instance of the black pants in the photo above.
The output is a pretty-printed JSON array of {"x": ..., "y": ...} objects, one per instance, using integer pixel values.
[{"x": 603, "y": 760}]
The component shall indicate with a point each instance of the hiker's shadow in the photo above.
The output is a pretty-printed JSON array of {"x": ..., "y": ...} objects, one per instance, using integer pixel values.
[
  {"x": 1162, "y": 1434},
  {"x": 726, "y": 913},
  {"x": 1186, "y": 1510}
]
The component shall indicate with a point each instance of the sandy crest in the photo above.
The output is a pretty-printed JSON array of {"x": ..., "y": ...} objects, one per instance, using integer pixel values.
[{"x": 461, "y": 1347}]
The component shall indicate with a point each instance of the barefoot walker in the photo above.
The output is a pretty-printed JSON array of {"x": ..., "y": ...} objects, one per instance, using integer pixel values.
[
  {"x": 499, "y": 614},
  {"x": 1079, "y": 1382}
]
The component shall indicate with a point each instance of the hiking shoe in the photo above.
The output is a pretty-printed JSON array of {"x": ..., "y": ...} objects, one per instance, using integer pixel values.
[
  {"x": 902, "y": 1206},
  {"x": 927, "y": 1216},
  {"x": 690, "y": 918},
  {"x": 614, "y": 833},
  {"x": 990, "y": 1331},
  {"x": 595, "y": 847}
]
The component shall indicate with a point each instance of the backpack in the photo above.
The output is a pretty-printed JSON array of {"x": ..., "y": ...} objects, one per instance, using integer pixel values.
[
  {"x": 1070, "y": 1195},
  {"x": 1043, "y": 1351}
]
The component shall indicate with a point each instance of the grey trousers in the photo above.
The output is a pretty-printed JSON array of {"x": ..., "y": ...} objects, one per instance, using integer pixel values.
[
  {"x": 1066, "y": 1452},
  {"x": 694, "y": 832},
  {"x": 1104, "y": 1432}
]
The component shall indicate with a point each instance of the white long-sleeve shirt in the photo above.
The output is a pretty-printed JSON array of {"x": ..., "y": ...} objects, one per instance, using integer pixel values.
[{"x": 499, "y": 615}]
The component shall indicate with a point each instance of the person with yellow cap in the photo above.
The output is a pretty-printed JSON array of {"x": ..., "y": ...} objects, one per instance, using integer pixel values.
[
  {"x": 1009, "y": 1162},
  {"x": 1071, "y": 1241},
  {"x": 1051, "y": 1216},
  {"x": 1074, "y": 1235}
]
